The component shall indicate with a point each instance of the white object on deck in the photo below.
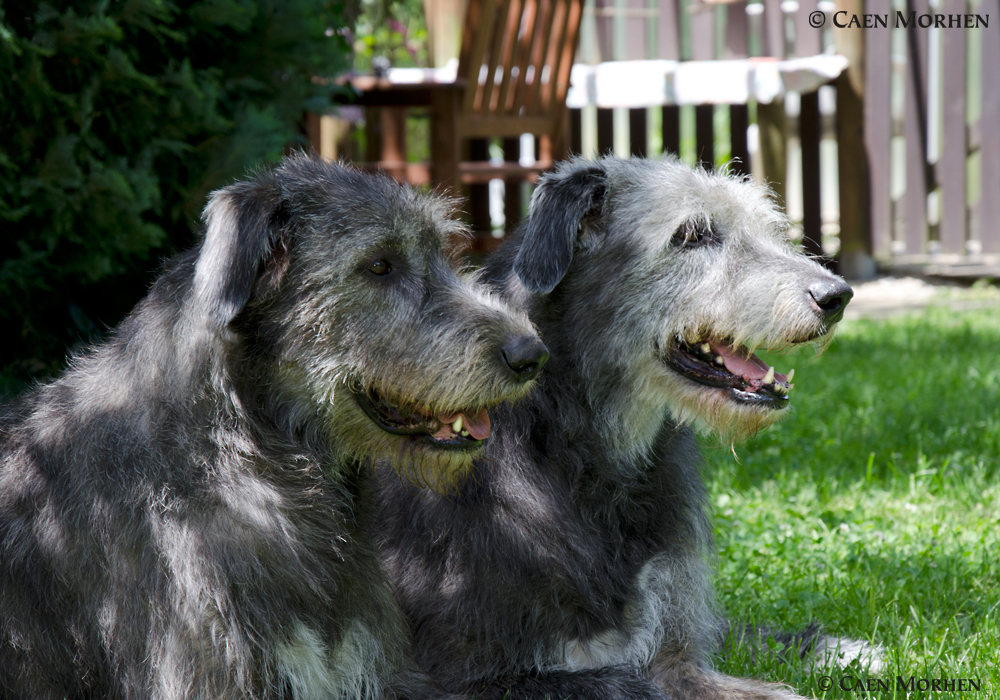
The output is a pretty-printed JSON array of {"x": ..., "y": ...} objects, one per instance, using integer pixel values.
[{"x": 635, "y": 84}]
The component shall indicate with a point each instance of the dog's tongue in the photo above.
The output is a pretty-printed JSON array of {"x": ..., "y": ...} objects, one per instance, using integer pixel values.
[
  {"x": 478, "y": 425},
  {"x": 741, "y": 362}
]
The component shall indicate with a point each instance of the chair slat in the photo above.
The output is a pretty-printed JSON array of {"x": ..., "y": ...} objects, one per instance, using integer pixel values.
[
  {"x": 530, "y": 26},
  {"x": 564, "y": 62},
  {"x": 510, "y": 53},
  {"x": 473, "y": 16},
  {"x": 542, "y": 102},
  {"x": 525, "y": 48},
  {"x": 538, "y": 59},
  {"x": 485, "y": 101},
  {"x": 479, "y": 26}
]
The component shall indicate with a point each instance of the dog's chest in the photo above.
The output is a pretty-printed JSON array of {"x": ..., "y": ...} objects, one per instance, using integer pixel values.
[
  {"x": 638, "y": 570},
  {"x": 638, "y": 635}
]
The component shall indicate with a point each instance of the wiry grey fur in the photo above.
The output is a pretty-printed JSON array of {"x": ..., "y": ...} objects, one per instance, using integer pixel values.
[
  {"x": 178, "y": 513},
  {"x": 575, "y": 562}
]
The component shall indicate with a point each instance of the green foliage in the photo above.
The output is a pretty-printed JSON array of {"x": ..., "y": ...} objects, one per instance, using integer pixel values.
[
  {"x": 393, "y": 29},
  {"x": 874, "y": 507},
  {"x": 117, "y": 118}
]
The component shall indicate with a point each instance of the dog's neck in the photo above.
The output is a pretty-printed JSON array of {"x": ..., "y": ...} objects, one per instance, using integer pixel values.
[
  {"x": 609, "y": 401},
  {"x": 614, "y": 397}
]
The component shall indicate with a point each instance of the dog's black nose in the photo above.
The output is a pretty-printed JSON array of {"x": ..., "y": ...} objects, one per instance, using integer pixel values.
[
  {"x": 524, "y": 356},
  {"x": 831, "y": 296}
]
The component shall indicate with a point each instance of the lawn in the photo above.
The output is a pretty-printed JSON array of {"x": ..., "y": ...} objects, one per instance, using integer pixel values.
[{"x": 874, "y": 506}]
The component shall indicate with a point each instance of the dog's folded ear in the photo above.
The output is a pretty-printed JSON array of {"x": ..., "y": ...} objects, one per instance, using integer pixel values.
[
  {"x": 558, "y": 207},
  {"x": 242, "y": 228}
]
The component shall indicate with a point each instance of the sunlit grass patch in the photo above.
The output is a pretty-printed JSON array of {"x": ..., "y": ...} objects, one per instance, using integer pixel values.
[{"x": 874, "y": 507}]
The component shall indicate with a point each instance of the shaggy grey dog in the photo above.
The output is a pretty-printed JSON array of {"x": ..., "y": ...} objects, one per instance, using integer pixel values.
[
  {"x": 178, "y": 513},
  {"x": 575, "y": 563}
]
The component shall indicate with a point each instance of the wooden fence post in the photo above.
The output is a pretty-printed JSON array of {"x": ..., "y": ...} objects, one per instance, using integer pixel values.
[
  {"x": 878, "y": 128},
  {"x": 954, "y": 136},
  {"x": 669, "y": 47},
  {"x": 810, "y": 126},
  {"x": 919, "y": 176},
  {"x": 702, "y": 24},
  {"x": 771, "y": 128},
  {"x": 989, "y": 129},
  {"x": 637, "y": 132},
  {"x": 738, "y": 46},
  {"x": 513, "y": 203},
  {"x": 855, "y": 257}
]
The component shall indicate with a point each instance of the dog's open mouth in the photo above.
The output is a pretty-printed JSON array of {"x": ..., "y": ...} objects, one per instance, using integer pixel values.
[
  {"x": 721, "y": 365},
  {"x": 464, "y": 429}
]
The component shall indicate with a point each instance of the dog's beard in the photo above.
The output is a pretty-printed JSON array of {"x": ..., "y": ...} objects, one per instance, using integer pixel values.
[
  {"x": 714, "y": 412},
  {"x": 416, "y": 458},
  {"x": 722, "y": 388},
  {"x": 440, "y": 471},
  {"x": 412, "y": 459}
]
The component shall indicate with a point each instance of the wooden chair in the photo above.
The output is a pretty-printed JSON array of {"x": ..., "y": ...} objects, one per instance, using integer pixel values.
[{"x": 512, "y": 79}]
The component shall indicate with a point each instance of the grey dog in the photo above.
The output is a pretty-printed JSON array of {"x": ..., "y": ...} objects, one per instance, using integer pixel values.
[
  {"x": 576, "y": 563},
  {"x": 178, "y": 511}
]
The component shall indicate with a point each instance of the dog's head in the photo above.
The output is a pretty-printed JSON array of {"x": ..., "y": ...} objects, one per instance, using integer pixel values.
[
  {"x": 684, "y": 274},
  {"x": 341, "y": 291}
]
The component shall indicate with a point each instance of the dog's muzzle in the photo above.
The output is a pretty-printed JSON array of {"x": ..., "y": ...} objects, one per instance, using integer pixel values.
[
  {"x": 464, "y": 429},
  {"x": 830, "y": 298},
  {"x": 523, "y": 357},
  {"x": 723, "y": 366}
]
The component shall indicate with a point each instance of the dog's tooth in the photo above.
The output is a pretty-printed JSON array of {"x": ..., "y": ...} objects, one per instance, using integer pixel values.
[
  {"x": 457, "y": 425},
  {"x": 706, "y": 348},
  {"x": 719, "y": 360},
  {"x": 465, "y": 433},
  {"x": 769, "y": 377},
  {"x": 788, "y": 377}
]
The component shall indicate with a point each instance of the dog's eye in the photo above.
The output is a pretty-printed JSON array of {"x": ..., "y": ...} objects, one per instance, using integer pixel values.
[
  {"x": 380, "y": 267},
  {"x": 693, "y": 233}
]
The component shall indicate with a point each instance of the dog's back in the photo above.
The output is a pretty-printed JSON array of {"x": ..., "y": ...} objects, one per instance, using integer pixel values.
[{"x": 128, "y": 533}]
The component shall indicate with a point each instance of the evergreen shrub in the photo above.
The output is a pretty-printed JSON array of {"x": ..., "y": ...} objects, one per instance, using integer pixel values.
[{"x": 117, "y": 119}]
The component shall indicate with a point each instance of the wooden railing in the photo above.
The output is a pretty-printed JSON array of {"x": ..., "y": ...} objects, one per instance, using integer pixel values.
[
  {"x": 918, "y": 175},
  {"x": 898, "y": 161}
]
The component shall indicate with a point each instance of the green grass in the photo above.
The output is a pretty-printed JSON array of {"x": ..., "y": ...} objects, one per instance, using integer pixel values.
[{"x": 874, "y": 507}]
